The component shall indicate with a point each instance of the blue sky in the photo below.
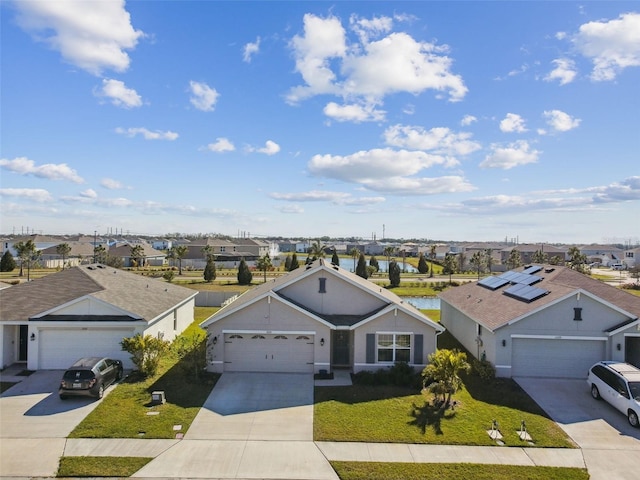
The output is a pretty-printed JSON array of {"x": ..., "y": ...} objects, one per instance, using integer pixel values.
[{"x": 442, "y": 120}]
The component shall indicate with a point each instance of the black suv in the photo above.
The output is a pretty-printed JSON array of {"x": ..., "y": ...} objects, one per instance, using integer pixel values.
[{"x": 90, "y": 376}]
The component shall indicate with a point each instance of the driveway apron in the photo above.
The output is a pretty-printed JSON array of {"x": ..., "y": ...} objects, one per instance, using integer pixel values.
[
  {"x": 610, "y": 446},
  {"x": 253, "y": 425}
]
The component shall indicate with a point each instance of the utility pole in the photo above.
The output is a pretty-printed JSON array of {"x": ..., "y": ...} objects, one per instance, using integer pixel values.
[{"x": 95, "y": 240}]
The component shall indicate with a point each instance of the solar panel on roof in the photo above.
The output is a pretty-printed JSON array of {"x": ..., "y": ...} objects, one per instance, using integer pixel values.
[
  {"x": 493, "y": 283},
  {"x": 525, "y": 293},
  {"x": 509, "y": 275},
  {"x": 532, "y": 269}
]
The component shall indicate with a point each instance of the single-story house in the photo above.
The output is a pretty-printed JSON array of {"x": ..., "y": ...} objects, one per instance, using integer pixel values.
[
  {"x": 543, "y": 321},
  {"x": 318, "y": 317},
  {"x": 86, "y": 311}
]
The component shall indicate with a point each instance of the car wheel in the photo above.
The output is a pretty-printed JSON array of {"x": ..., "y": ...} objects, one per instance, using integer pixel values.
[
  {"x": 633, "y": 418},
  {"x": 100, "y": 391},
  {"x": 594, "y": 392}
]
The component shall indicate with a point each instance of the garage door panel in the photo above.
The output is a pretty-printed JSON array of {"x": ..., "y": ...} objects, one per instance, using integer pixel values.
[
  {"x": 59, "y": 348},
  {"x": 562, "y": 358},
  {"x": 268, "y": 353}
]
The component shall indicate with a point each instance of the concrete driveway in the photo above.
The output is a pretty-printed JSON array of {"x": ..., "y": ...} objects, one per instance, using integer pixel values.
[
  {"x": 610, "y": 446},
  {"x": 34, "y": 419},
  {"x": 253, "y": 425}
]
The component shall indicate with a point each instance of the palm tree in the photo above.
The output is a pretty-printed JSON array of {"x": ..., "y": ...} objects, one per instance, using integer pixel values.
[
  {"x": 514, "y": 260},
  {"x": 355, "y": 253},
  {"x": 137, "y": 255},
  {"x": 264, "y": 264},
  {"x": 478, "y": 261},
  {"x": 577, "y": 259},
  {"x": 178, "y": 252},
  {"x": 432, "y": 256},
  {"x": 63, "y": 250},
  {"x": 388, "y": 251},
  {"x": 26, "y": 254},
  {"x": 317, "y": 250},
  {"x": 443, "y": 371},
  {"x": 207, "y": 250}
]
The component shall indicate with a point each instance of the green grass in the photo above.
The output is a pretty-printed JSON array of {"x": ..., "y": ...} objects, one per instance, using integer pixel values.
[
  {"x": 100, "y": 466},
  {"x": 452, "y": 471},
  {"x": 394, "y": 414},
  {"x": 124, "y": 412}
]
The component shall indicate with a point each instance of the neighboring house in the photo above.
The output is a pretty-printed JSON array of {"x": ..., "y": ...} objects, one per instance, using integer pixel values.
[
  {"x": 528, "y": 250},
  {"x": 603, "y": 254},
  {"x": 318, "y": 317},
  {"x": 162, "y": 244},
  {"x": 86, "y": 311},
  {"x": 40, "y": 241},
  {"x": 151, "y": 256},
  {"x": 543, "y": 322},
  {"x": 632, "y": 257},
  {"x": 80, "y": 253},
  {"x": 252, "y": 246}
]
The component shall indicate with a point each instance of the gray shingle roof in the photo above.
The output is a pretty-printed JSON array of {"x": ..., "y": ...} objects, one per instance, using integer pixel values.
[
  {"x": 143, "y": 297},
  {"x": 493, "y": 309}
]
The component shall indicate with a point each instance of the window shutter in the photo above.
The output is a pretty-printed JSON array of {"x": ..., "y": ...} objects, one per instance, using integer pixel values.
[
  {"x": 418, "y": 349},
  {"x": 371, "y": 348}
]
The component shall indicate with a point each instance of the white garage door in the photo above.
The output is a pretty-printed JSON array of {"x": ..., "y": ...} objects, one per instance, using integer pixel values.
[
  {"x": 561, "y": 358},
  {"x": 61, "y": 347},
  {"x": 291, "y": 353}
]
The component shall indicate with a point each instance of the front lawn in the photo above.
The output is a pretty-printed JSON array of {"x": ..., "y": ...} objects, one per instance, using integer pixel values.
[
  {"x": 100, "y": 466},
  {"x": 388, "y": 413},
  {"x": 452, "y": 471},
  {"x": 126, "y": 412}
]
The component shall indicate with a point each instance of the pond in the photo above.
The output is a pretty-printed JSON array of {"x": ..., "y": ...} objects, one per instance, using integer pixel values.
[
  {"x": 347, "y": 264},
  {"x": 424, "y": 303}
]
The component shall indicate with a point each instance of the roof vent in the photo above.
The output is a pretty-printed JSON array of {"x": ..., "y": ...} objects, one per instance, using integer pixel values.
[
  {"x": 549, "y": 270},
  {"x": 91, "y": 268},
  {"x": 100, "y": 266}
]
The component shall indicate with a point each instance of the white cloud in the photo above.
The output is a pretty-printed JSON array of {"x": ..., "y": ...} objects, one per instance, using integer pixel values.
[
  {"x": 93, "y": 36},
  {"x": 468, "y": 120},
  {"x": 513, "y": 155},
  {"x": 513, "y": 123},
  {"x": 89, "y": 193},
  {"x": 120, "y": 95},
  {"x": 627, "y": 190},
  {"x": 611, "y": 45},
  {"x": 203, "y": 97},
  {"x": 561, "y": 121},
  {"x": 367, "y": 165},
  {"x": 251, "y": 49},
  {"x": 111, "y": 184},
  {"x": 420, "y": 186},
  {"x": 221, "y": 145},
  {"x": 439, "y": 140},
  {"x": 336, "y": 198},
  {"x": 565, "y": 71},
  {"x": 270, "y": 148},
  {"x": 294, "y": 209},
  {"x": 34, "y": 194},
  {"x": 50, "y": 171},
  {"x": 368, "y": 70},
  {"x": 353, "y": 113},
  {"x": 147, "y": 134}
]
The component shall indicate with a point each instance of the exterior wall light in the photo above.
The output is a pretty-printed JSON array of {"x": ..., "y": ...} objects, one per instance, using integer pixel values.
[
  {"x": 322, "y": 342},
  {"x": 215, "y": 340},
  {"x": 618, "y": 347},
  {"x": 504, "y": 342},
  {"x": 33, "y": 336}
]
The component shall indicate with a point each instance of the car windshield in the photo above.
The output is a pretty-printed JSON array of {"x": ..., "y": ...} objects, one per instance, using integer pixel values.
[
  {"x": 635, "y": 390},
  {"x": 78, "y": 375}
]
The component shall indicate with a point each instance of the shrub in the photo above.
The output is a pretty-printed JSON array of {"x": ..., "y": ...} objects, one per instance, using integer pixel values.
[{"x": 484, "y": 369}]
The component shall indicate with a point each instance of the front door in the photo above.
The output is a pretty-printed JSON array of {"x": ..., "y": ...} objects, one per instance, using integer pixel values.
[
  {"x": 23, "y": 339},
  {"x": 341, "y": 342}
]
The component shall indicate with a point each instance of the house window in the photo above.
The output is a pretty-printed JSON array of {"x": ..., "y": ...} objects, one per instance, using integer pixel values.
[
  {"x": 577, "y": 314},
  {"x": 222, "y": 249},
  {"x": 394, "y": 347},
  {"x": 479, "y": 330},
  {"x": 258, "y": 337},
  {"x": 280, "y": 337},
  {"x": 302, "y": 337},
  {"x": 323, "y": 285},
  {"x": 235, "y": 336}
]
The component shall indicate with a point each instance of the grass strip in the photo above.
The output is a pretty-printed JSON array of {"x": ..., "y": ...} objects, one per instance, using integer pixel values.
[
  {"x": 100, "y": 466},
  {"x": 452, "y": 471}
]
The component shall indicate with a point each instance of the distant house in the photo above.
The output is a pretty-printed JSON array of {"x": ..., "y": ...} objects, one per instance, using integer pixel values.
[
  {"x": 543, "y": 322},
  {"x": 86, "y": 311},
  {"x": 80, "y": 253},
  {"x": 150, "y": 256},
  {"x": 603, "y": 254},
  {"x": 40, "y": 241},
  {"x": 632, "y": 257},
  {"x": 317, "y": 318},
  {"x": 527, "y": 252}
]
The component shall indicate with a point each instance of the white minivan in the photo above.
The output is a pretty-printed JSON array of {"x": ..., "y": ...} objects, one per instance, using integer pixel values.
[{"x": 618, "y": 384}]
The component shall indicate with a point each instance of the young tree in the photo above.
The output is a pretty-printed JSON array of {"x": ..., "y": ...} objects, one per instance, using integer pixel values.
[
  {"x": 244, "y": 274},
  {"x": 210, "y": 270},
  {"x": 27, "y": 253},
  {"x": 514, "y": 260},
  {"x": 169, "y": 275},
  {"x": 422, "y": 264},
  {"x": 394, "y": 274},
  {"x": 178, "y": 252},
  {"x": 294, "y": 262},
  {"x": 488, "y": 255},
  {"x": 355, "y": 254},
  {"x": 137, "y": 255},
  {"x": 462, "y": 260},
  {"x": 63, "y": 250},
  {"x": 478, "y": 261},
  {"x": 361, "y": 269},
  {"x": 334, "y": 258},
  {"x": 192, "y": 351},
  {"x": 432, "y": 256},
  {"x": 443, "y": 373},
  {"x": 373, "y": 262},
  {"x": 264, "y": 264},
  {"x": 7, "y": 262},
  {"x": 450, "y": 264},
  {"x": 388, "y": 251},
  {"x": 100, "y": 254},
  {"x": 539, "y": 257},
  {"x": 145, "y": 351},
  {"x": 577, "y": 259},
  {"x": 287, "y": 263}
]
